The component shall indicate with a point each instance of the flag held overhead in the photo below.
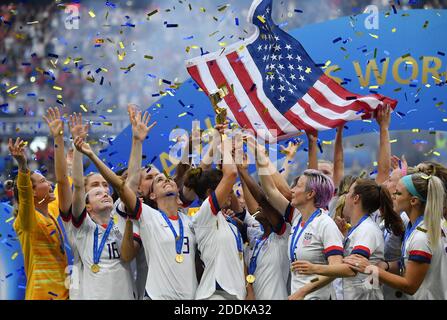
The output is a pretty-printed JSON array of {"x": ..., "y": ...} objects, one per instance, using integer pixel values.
[{"x": 272, "y": 71}]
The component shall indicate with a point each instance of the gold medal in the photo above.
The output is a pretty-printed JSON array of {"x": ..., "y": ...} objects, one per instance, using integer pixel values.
[
  {"x": 179, "y": 258},
  {"x": 95, "y": 268},
  {"x": 241, "y": 255},
  {"x": 250, "y": 278}
]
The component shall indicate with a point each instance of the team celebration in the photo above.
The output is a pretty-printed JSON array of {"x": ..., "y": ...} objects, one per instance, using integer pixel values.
[{"x": 293, "y": 151}]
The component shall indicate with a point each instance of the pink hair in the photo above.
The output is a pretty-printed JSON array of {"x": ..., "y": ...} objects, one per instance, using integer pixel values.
[{"x": 322, "y": 185}]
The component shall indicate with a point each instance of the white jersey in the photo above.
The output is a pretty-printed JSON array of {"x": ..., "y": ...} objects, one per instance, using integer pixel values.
[
  {"x": 393, "y": 252},
  {"x": 218, "y": 251},
  {"x": 114, "y": 279},
  {"x": 366, "y": 240},
  {"x": 272, "y": 263},
  {"x": 320, "y": 240},
  {"x": 138, "y": 265},
  {"x": 76, "y": 269},
  {"x": 417, "y": 248},
  {"x": 167, "y": 279}
]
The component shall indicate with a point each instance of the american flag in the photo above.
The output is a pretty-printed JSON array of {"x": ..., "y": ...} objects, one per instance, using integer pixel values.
[{"x": 275, "y": 85}]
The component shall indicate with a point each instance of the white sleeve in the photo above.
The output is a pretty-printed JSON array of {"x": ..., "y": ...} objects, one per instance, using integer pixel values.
[
  {"x": 331, "y": 237},
  {"x": 207, "y": 213},
  {"x": 83, "y": 225},
  {"x": 364, "y": 243},
  {"x": 419, "y": 248}
]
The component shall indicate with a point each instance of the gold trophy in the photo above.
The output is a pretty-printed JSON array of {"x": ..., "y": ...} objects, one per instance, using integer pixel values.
[{"x": 215, "y": 98}]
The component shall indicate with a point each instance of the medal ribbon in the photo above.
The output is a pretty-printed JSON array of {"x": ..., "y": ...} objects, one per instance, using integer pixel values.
[
  {"x": 97, "y": 251},
  {"x": 295, "y": 238},
  {"x": 178, "y": 239}
]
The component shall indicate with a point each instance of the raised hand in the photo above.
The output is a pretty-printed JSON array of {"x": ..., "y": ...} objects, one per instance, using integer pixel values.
[
  {"x": 54, "y": 122},
  {"x": 383, "y": 117},
  {"x": 397, "y": 163},
  {"x": 77, "y": 129},
  {"x": 82, "y": 146},
  {"x": 291, "y": 148},
  {"x": 139, "y": 122},
  {"x": 17, "y": 150},
  {"x": 222, "y": 127}
]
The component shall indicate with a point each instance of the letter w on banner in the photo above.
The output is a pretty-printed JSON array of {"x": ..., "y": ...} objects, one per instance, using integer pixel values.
[{"x": 274, "y": 85}]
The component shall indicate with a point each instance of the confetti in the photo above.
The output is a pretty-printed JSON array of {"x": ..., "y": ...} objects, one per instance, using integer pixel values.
[
  {"x": 436, "y": 153},
  {"x": 336, "y": 40},
  {"x": 91, "y": 13},
  {"x": 261, "y": 18},
  {"x": 152, "y": 13}
]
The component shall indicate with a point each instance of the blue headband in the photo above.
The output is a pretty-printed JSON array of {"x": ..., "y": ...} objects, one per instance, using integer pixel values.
[{"x": 409, "y": 185}]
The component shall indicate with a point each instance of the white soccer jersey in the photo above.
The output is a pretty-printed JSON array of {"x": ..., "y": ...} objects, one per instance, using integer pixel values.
[
  {"x": 273, "y": 265},
  {"x": 218, "y": 251},
  {"x": 417, "y": 248},
  {"x": 393, "y": 252},
  {"x": 320, "y": 240},
  {"x": 76, "y": 270},
  {"x": 139, "y": 264},
  {"x": 167, "y": 279},
  {"x": 366, "y": 240},
  {"x": 114, "y": 279}
]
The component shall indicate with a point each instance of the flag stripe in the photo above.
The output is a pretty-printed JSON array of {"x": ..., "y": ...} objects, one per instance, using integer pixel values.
[
  {"x": 211, "y": 86},
  {"x": 194, "y": 72},
  {"x": 313, "y": 110},
  {"x": 369, "y": 103},
  {"x": 230, "y": 99},
  {"x": 320, "y": 106},
  {"x": 239, "y": 93},
  {"x": 319, "y": 95},
  {"x": 247, "y": 83},
  {"x": 297, "y": 121}
]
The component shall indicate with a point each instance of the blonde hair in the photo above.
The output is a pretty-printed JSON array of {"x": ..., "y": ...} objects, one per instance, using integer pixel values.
[{"x": 431, "y": 188}]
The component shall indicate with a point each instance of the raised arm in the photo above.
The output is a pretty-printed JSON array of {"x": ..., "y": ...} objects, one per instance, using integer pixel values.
[
  {"x": 229, "y": 171},
  {"x": 312, "y": 138},
  {"x": 127, "y": 195},
  {"x": 140, "y": 129},
  {"x": 276, "y": 199},
  {"x": 208, "y": 158},
  {"x": 339, "y": 165},
  {"x": 78, "y": 129},
  {"x": 384, "y": 162},
  {"x": 56, "y": 126},
  {"x": 26, "y": 217},
  {"x": 129, "y": 247}
]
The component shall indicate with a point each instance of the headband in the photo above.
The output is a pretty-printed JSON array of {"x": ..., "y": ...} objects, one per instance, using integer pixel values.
[{"x": 409, "y": 185}]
